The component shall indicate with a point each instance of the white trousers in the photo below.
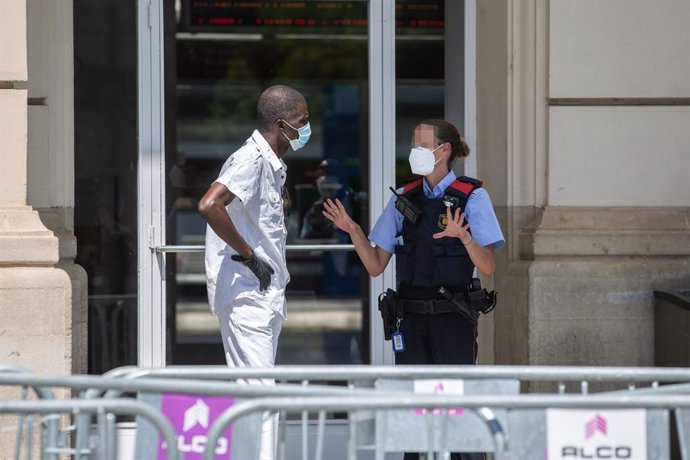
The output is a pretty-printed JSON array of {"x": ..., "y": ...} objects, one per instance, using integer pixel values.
[{"x": 250, "y": 337}]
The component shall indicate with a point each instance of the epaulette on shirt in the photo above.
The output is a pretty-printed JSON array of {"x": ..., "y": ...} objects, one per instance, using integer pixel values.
[
  {"x": 463, "y": 184},
  {"x": 412, "y": 184}
]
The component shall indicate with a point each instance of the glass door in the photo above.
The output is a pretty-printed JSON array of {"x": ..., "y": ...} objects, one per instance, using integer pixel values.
[
  {"x": 219, "y": 57},
  {"x": 202, "y": 66}
]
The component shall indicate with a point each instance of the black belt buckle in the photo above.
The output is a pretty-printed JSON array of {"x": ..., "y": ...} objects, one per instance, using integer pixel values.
[{"x": 428, "y": 307}]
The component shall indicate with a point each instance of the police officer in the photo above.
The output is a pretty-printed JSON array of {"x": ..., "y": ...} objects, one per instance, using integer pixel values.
[{"x": 453, "y": 230}]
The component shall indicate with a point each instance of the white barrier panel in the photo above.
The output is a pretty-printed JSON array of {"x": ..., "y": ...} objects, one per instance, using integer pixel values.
[
  {"x": 590, "y": 434},
  {"x": 551, "y": 430}
]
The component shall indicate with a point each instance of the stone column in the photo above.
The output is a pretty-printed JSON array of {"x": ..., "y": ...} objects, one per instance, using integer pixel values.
[
  {"x": 50, "y": 159},
  {"x": 36, "y": 290}
]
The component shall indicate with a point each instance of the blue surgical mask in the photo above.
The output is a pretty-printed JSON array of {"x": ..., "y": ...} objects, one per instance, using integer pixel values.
[{"x": 304, "y": 133}]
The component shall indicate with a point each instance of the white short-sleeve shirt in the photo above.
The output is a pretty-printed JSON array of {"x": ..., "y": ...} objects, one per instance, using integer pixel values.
[{"x": 255, "y": 175}]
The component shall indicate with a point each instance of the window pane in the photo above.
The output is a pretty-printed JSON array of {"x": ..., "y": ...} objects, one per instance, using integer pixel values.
[
  {"x": 225, "y": 56},
  {"x": 419, "y": 67},
  {"x": 105, "y": 212}
]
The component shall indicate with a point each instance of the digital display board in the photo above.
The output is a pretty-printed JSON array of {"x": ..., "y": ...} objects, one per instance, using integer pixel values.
[{"x": 308, "y": 16}]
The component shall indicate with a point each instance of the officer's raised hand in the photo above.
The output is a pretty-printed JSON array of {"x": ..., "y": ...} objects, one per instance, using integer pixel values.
[
  {"x": 259, "y": 267},
  {"x": 336, "y": 213},
  {"x": 455, "y": 228}
]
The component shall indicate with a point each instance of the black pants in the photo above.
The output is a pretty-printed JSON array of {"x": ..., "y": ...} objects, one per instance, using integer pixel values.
[{"x": 446, "y": 338}]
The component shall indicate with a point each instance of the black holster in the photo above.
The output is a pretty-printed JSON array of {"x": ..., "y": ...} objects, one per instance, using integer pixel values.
[
  {"x": 482, "y": 300},
  {"x": 390, "y": 311},
  {"x": 476, "y": 300}
]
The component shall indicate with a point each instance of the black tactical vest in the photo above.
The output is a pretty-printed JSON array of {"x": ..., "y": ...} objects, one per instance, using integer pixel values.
[{"x": 423, "y": 264}]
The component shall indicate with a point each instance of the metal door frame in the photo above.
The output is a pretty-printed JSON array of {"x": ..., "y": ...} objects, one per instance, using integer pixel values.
[
  {"x": 151, "y": 185},
  {"x": 461, "y": 109},
  {"x": 152, "y": 249}
]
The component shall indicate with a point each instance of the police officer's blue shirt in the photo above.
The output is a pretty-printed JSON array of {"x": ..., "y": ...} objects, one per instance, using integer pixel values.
[{"x": 479, "y": 213}]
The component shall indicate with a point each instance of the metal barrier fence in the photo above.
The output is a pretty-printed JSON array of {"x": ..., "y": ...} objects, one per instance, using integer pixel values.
[
  {"x": 49, "y": 426},
  {"x": 104, "y": 389},
  {"x": 498, "y": 419},
  {"x": 515, "y": 447},
  {"x": 104, "y": 408},
  {"x": 559, "y": 375},
  {"x": 479, "y": 380},
  {"x": 365, "y": 429},
  {"x": 360, "y": 378}
]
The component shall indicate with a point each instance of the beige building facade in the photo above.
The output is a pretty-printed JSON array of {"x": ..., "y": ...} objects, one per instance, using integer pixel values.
[
  {"x": 582, "y": 115},
  {"x": 583, "y": 109}
]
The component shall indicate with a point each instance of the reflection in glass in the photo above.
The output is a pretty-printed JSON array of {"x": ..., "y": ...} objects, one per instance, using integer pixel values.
[
  {"x": 105, "y": 213},
  {"x": 221, "y": 69},
  {"x": 419, "y": 71}
]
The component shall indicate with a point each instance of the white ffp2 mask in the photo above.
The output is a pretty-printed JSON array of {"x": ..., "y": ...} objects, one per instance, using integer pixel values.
[{"x": 422, "y": 160}]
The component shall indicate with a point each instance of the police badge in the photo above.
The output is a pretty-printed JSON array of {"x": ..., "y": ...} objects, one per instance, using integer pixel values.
[{"x": 451, "y": 202}]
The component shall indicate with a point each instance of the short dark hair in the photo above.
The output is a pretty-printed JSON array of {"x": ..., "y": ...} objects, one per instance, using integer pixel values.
[
  {"x": 277, "y": 102},
  {"x": 447, "y": 132}
]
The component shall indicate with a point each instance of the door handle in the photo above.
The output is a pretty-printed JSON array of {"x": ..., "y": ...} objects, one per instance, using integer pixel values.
[{"x": 289, "y": 248}]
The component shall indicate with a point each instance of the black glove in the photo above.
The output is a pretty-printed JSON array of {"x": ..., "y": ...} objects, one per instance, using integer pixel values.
[{"x": 259, "y": 267}]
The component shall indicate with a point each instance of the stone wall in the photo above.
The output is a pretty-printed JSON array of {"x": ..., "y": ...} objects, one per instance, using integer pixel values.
[{"x": 583, "y": 108}]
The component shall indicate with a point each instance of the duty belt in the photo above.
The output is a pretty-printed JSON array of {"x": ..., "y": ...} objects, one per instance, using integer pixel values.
[{"x": 427, "y": 307}]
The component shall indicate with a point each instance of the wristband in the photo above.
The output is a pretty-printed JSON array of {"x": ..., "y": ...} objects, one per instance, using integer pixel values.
[
  {"x": 469, "y": 242},
  {"x": 239, "y": 258}
]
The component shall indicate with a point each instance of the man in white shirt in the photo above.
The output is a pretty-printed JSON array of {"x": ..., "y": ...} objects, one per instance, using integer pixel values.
[{"x": 246, "y": 273}]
